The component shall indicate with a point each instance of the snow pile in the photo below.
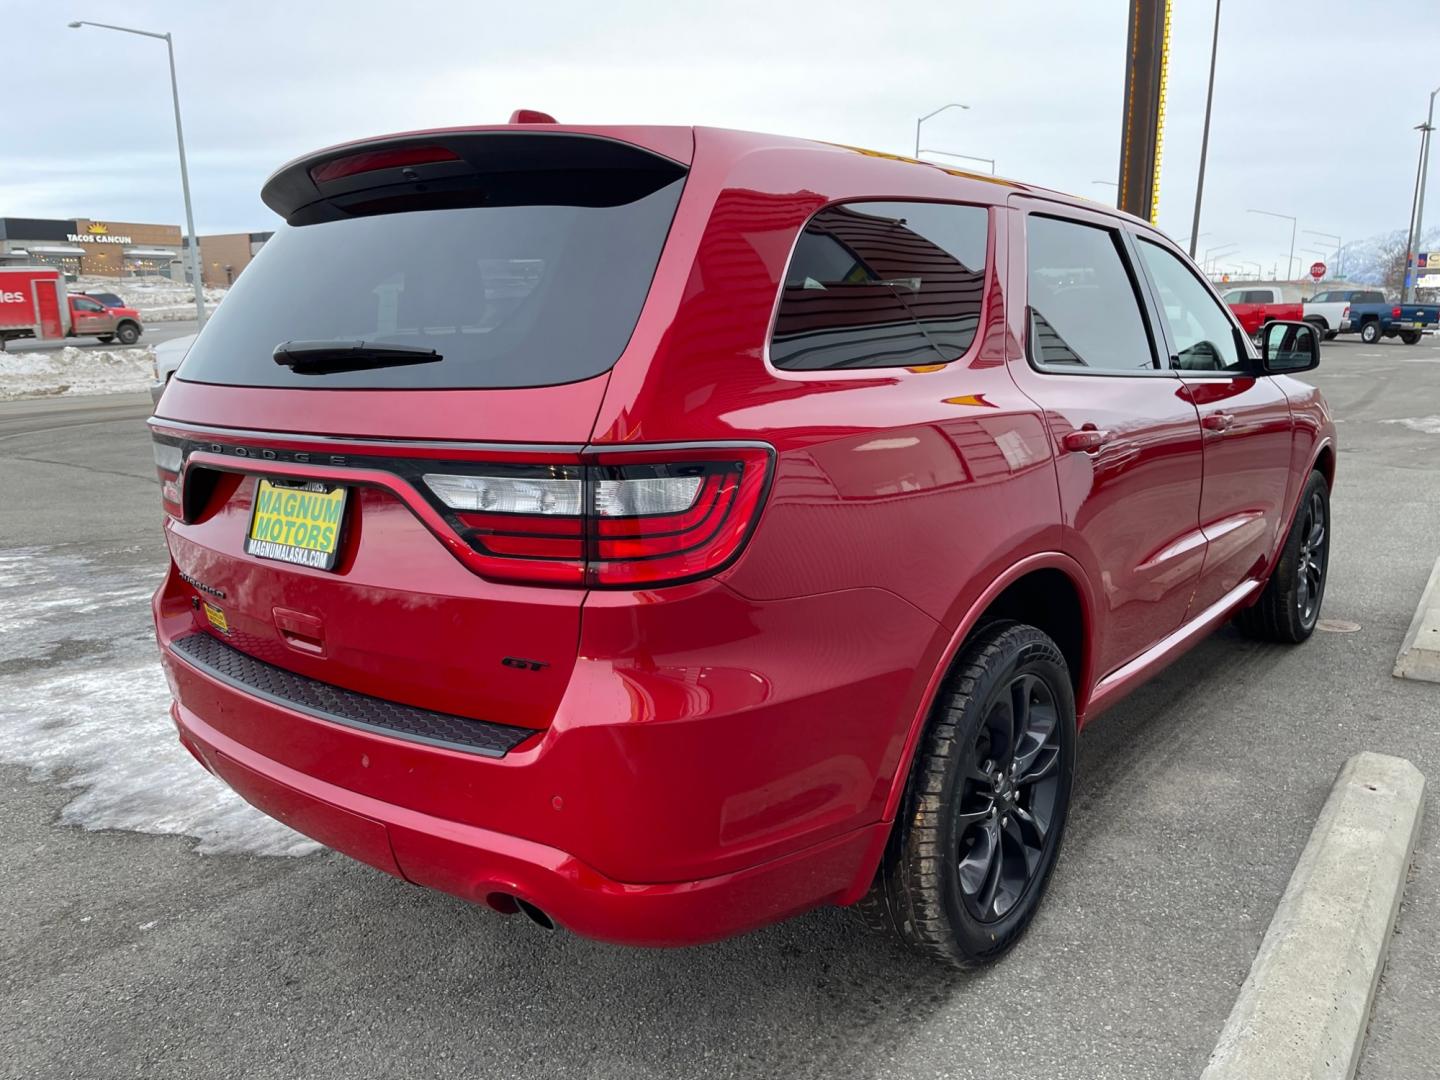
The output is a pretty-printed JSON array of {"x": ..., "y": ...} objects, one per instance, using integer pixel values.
[
  {"x": 1426, "y": 425},
  {"x": 157, "y": 299},
  {"x": 83, "y": 703},
  {"x": 76, "y": 371}
]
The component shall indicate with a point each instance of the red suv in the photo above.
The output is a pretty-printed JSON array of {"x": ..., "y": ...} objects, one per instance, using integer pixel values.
[{"x": 665, "y": 531}]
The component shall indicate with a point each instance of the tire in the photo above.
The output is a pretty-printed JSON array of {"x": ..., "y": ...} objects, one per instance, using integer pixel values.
[
  {"x": 1370, "y": 332},
  {"x": 1410, "y": 337},
  {"x": 1331, "y": 335},
  {"x": 105, "y": 339},
  {"x": 1289, "y": 608},
  {"x": 955, "y": 884},
  {"x": 128, "y": 333}
]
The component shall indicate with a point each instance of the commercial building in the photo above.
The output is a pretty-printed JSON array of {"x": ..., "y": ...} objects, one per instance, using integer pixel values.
[
  {"x": 86, "y": 246},
  {"x": 121, "y": 249},
  {"x": 224, "y": 255}
]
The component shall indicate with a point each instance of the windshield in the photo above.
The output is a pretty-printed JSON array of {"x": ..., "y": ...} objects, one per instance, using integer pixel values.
[{"x": 514, "y": 295}]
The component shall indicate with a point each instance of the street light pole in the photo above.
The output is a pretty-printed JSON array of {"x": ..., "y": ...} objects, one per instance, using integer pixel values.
[
  {"x": 1417, "y": 223},
  {"x": 1205, "y": 135},
  {"x": 184, "y": 169},
  {"x": 1339, "y": 249},
  {"x": 928, "y": 115},
  {"x": 1290, "y": 264}
]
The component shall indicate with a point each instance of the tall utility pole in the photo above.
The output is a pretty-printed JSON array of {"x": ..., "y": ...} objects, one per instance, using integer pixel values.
[
  {"x": 1290, "y": 265},
  {"x": 1417, "y": 215},
  {"x": 1205, "y": 135},
  {"x": 184, "y": 171},
  {"x": 1143, "y": 119}
]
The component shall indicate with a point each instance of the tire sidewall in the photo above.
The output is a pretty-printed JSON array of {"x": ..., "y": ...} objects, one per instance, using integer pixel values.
[
  {"x": 1031, "y": 652},
  {"x": 1370, "y": 333},
  {"x": 127, "y": 335}
]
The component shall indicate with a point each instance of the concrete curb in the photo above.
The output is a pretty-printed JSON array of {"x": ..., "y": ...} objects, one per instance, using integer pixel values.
[
  {"x": 1304, "y": 1008},
  {"x": 1420, "y": 652}
]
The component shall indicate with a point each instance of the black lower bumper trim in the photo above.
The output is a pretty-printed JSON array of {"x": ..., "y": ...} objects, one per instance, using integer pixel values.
[{"x": 338, "y": 705}]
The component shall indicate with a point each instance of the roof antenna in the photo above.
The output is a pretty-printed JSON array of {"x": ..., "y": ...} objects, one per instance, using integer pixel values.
[{"x": 530, "y": 116}]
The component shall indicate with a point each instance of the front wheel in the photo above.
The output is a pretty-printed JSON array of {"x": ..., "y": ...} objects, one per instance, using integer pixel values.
[
  {"x": 980, "y": 826},
  {"x": 128, "y": 334},
  {"x": 1370, "y": 333},
  {"x": 1289, "y": 608},
  {"x": 1410, "y": 337}
]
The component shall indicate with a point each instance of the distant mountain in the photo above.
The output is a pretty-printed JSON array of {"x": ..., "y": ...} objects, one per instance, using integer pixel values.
[{"x": 1364, "y": 261}]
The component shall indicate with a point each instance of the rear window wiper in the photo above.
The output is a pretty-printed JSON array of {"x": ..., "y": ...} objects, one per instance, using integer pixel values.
[{"x": 348, "y": 354}]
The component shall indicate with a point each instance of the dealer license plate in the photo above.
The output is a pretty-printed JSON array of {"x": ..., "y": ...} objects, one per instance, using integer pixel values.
[{"x": 296, "y": 523}]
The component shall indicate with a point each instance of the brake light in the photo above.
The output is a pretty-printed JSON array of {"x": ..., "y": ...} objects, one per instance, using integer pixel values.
[
  {"x": 621, "y": 519},
  {"x": 1395, "y": 312},
  {"x": 1346, "y": 313},
  {"x": 370, "y": 161}
]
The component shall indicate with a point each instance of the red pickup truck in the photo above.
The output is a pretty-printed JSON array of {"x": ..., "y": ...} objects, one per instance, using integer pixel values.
[
  {"x": 34, "y": 303},
  {"x": 1256, "y": 305}
]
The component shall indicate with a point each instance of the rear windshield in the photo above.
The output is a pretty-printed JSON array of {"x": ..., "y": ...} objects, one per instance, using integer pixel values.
[{"x": 509, "y": 295}]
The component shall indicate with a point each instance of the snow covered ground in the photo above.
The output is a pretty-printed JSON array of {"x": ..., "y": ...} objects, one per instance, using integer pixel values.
[
  {"x": 83, "y": 703},
  {"x": 157, "y": 299},
  {"x": 76, "y": 371}
]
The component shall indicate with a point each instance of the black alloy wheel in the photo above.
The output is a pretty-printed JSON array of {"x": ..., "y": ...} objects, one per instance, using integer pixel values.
[
  {"x": 1289, "y": 606},
  {"x": 1007, "y": 806},
  {"x": 1310, "y": 573},
  {"x": 984, "y": 811}
]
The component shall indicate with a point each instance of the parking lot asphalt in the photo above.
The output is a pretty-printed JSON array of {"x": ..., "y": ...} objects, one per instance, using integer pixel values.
[{"x": 131, "y": 955}]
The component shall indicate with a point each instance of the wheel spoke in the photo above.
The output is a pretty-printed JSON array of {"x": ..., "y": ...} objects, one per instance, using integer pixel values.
[
  {"x": 1302, "y": 591},
  {"x": 1317, "y": 536},
  {"x": 1032, "y": 830},
  {"x": 1044, "y": 764},
  {"x": 978, "y": 865},
  {"x": 1020, "y": 693}
]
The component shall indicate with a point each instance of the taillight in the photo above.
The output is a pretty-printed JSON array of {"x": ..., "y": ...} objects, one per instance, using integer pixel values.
[
  {"x": 1395, "y": 312},
  {"x": 168, "y": 458},
  {"x": 621, "y": 519},
  {"x": 1346, "y": 313}
]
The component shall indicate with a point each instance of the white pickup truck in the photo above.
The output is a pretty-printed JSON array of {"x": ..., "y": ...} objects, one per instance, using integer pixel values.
[{"x": 1329, "y": 310}]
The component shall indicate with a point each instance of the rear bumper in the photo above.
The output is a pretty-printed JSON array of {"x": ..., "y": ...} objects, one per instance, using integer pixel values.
[{"x": 485, "y": 866}]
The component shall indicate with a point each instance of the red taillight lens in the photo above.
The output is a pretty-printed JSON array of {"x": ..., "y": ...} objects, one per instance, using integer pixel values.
[
  {"x": 623, "y": 519},
  {"x": 352, "y": 164},
  {"x": 168, "y": 459},
  {"x": 1395, "y": 312}
]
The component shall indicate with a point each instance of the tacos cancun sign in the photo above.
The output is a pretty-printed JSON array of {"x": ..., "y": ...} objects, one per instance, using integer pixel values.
[{"x": 97, "y": 234}]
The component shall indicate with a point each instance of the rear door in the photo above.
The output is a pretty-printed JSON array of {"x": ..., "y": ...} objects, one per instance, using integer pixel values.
[
  {"x": 370, "y": 454},
  {"x": 47, "y": 301},
  {"x": 1127, "y": 436},
  {"x": 1245, "y": 419}
]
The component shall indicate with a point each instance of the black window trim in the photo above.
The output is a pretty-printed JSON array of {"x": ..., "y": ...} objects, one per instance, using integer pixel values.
[
  {"x": 1242, "y": 340},
  {"x": 1142, "y": 299},
  {"x": 993, "y": 236}
]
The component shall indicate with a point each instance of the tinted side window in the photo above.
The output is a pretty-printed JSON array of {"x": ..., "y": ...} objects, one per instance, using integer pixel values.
[
  {"x": 1234, "y": 296},
  {"x": 1321, "y": 298},
  {"x": 1259, "y": 296},
  {"x": 86, "y": 304},
  {"x": 1202, "y": 334},
  {"x": 882, "y": 284},
  {"x": 1084, "y": 311},
  {"x": 1368, "y": 298}
]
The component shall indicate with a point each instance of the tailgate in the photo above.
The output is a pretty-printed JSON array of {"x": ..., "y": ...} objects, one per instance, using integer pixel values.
[{"x": 399, "y": 615}]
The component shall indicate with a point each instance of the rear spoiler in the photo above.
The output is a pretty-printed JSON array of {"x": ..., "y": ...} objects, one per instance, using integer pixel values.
[{"x": 466, "y": 167}]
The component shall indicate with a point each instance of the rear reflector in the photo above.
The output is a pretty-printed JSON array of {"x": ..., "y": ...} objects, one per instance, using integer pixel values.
[{"x": 352, "y": 164}]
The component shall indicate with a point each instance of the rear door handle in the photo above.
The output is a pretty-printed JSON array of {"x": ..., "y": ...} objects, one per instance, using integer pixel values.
[
  {"x": 1088, "y": 439},
  {"x": 1217, "y": 421}
]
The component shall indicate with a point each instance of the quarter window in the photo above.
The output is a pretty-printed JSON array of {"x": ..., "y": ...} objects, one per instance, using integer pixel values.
[
  {"x": 1084, "y": 311},
  {"x": 1202, "y": 334},
  {"x": 882, "y": 284}
]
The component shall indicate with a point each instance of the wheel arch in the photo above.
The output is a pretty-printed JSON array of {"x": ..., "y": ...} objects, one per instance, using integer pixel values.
[{"x": 1026, "y": 592}]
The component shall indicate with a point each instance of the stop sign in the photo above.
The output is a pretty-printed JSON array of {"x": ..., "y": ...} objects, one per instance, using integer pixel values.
[{"x": 1317, "y": 270}]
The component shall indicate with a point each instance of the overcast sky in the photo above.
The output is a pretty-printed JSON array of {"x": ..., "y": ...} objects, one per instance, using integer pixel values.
[{"x": 1314, "y": 108}]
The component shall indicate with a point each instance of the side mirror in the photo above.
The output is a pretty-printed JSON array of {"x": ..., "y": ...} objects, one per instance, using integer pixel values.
[{"x": 1289, "y": 347}]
